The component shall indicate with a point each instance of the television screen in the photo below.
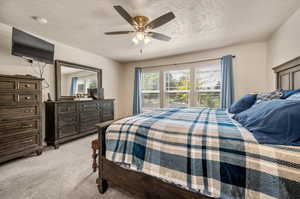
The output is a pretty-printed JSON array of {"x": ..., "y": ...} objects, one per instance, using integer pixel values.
[{"x": 26, "y": 45}]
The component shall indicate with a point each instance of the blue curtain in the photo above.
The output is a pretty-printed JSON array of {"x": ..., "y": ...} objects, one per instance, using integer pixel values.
[
  {"x": 227, "y": 94},
  {"x": 73, "y": 86},
  {"x": 137, "y": 98}
]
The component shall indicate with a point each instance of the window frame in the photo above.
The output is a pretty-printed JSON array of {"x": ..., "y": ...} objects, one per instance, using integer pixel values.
[
  {"x": 188, "y": 91},
  {"x": 192, "y": 67},
  {"x": 153, "y": 91},
  {"x": 197, "y": 91}
]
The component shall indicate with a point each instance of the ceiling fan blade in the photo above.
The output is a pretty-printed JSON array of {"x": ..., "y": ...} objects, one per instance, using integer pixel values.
[
  {"x": 124, "y": 14},
  {"x": 159, "y": 36},
  {"x": 118, "y": 32},
  {"x": 161, "y": 20}
]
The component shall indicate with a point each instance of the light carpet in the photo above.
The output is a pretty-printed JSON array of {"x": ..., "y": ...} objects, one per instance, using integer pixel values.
[{"x": 64, "y": 173}]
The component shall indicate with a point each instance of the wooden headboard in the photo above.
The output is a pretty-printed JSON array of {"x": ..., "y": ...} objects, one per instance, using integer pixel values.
[{"x": 288, "y": 75}]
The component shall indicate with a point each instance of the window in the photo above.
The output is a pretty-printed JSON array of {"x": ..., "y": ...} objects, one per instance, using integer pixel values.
[
  {"x": 195, "y": 86},
  {"x": 150, "y": 90},
  {"x": 207, "y": 86},
  {"x": 177, "y": 88},
  {"x": 81, "y": 86},
  {"x": 84, "y": 84},
  {"x": 92, "y": 83}
]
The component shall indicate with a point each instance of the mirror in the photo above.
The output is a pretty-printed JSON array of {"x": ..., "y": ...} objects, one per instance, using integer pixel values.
[{"x": 74, "y": 80}]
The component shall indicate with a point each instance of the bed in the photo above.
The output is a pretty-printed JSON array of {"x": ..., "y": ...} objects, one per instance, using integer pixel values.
[{"x": 197, "y": 153}]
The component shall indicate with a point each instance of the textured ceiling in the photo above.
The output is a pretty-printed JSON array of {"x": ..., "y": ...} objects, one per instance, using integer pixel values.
[{"x": 199, "y": 24}]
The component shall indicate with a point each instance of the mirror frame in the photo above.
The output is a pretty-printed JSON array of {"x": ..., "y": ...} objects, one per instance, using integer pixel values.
[{"x": 59, "y": 64}]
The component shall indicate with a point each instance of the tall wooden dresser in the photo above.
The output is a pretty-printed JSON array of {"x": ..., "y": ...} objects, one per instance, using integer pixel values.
[{"x": 20, "y": 116}]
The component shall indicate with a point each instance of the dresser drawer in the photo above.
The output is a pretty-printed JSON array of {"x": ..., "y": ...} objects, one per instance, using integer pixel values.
[
  {"x": 107, "y": 104},
  {"x": 10, "y": 113},
  {"x": 67, "y": 130},
  {"x": 16, "y": 143},
  {"x": 66, "y": 107},
  {"x": 89, "y": 106},
  {"x": 30, "y": 98},
  {"x": 88, "y": 116},
  {"x": 16, "y": 127},
  {"x": 107, "y": 116},
  {"x": 28, "y": 85},
  {"x": 8, "y": 99},
  {"x": 66, "y": 119},
  {"x": 88, "y": 126},
  {"x": 107, "y": 110},
  {"x": 10, "y": 84},
  {"x": 108, "y": 107},
  {"x": 7, "y": 84},
  {"x": 19, "y": 99}
]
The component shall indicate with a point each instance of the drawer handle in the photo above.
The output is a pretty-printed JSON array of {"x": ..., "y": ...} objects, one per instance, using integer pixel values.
[
  {"x": 27, "y": 85},
  {"x": 28, "y": 111},
  {"x": 27, "y": 126},
  {"x": 27, "y": 98}
]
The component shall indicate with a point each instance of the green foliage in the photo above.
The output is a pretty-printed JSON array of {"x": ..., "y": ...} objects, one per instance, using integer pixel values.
[
  {"x": 209, "y": 99},
  {"x": 93, "y": 85}
]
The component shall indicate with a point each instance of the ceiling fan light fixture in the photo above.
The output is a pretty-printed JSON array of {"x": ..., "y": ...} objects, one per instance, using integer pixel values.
[
  {"x": 140, "y": 36},
  {"x": 142, "y": 27},
  {"x": 147, "y": 39},
  {"x": 135, "y": 40}
]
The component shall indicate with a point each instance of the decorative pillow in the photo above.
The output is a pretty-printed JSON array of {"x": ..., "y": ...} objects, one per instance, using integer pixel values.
[
  {"x": 277, "y": 94},
  {"x": 242, "y": 104},
  {"x": 287, "y": 93},
  {"x": 295, "y": 96},
  {"x": 273, "y": 122}
]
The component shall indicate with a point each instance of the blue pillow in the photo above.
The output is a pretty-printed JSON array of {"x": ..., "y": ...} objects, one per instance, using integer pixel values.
[
  {"x": 288, "y": 93},
  {"x": 273, "y": 122},
  {"x": 242, "y": 104},
  {"x": 295, "y": 96}
]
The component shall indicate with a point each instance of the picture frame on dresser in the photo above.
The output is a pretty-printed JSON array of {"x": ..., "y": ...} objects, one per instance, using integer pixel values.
[
  {"x": 20, "y": 116},
  {"x": 72, "y": 116}
]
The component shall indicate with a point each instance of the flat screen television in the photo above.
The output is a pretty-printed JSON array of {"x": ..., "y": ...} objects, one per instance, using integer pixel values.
[{"x": 29, "y": 46}]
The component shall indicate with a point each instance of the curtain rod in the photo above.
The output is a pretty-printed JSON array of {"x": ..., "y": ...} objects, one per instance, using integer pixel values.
[{"x": 191, "y": 62}]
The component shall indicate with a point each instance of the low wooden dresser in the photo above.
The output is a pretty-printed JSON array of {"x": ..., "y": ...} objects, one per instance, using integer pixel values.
[
  {"x": 68, "y": 120},
  {"x": 20, "y": 116}
]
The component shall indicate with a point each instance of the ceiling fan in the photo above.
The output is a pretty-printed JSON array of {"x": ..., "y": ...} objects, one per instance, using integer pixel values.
[{"x": 142, "y": 28}]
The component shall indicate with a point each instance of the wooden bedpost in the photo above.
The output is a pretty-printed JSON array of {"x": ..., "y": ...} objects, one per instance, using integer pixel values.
[
  {"x": 102, "y": 183},
  {"x": 95, "y": 148}
]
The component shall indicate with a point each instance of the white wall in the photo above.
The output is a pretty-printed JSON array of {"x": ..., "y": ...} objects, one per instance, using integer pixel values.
[
  {"x": 284, "y": 45},
  {"x": 111, "y": 70},
  {"x": 249, "y": 69}
]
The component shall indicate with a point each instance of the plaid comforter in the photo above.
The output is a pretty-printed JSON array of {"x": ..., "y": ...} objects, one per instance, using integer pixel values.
[{"x": 205, "y": 151}]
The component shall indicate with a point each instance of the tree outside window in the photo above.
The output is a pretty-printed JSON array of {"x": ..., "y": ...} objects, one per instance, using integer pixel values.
[{"x": 177, "y": 88}]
